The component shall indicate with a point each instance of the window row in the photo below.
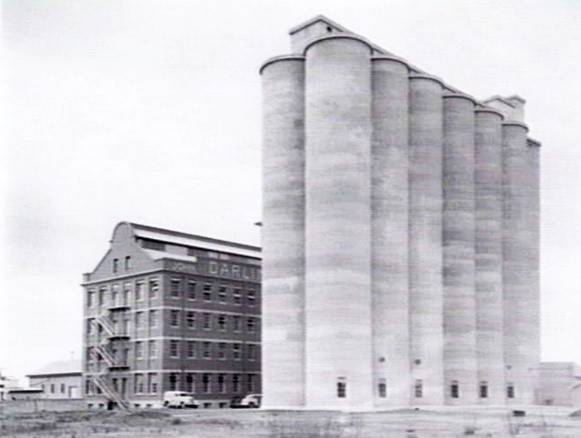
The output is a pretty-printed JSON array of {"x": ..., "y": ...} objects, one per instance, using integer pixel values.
[
  {"x": 209, "y": 292},
  {"x": 212, "y": 350},
  {"x": 176, "y": 349},
  {"x": 210, "y": 321},
  {"x": 121, "y": 294},
  {"x": 483, "y": 389},
  {"x": 208, "y": 383},
  {"x": 121, "y": 324},
  {"x": 419, "y": 389}
]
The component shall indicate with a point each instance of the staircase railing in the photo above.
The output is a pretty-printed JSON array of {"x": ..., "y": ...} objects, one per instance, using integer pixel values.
[{"x": 110, "y": 392}]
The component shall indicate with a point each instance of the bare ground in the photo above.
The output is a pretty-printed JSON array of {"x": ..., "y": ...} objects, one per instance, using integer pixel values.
[{"x": 449, "y": 423}]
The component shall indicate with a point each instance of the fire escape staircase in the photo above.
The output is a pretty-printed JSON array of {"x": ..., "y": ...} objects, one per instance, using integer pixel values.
[{"x": 103, "y": 351}]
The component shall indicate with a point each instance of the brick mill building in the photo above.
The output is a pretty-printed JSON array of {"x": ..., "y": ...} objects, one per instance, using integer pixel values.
[
  {"x": 401, "y": 233},
  {"x": 166, "y": 310}
]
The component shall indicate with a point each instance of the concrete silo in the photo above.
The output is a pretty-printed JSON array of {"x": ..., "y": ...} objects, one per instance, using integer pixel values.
[{"x": 401, "y": 233}]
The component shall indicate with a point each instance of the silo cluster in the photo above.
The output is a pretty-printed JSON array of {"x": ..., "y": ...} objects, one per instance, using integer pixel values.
[{"x": 400, "y": 234}]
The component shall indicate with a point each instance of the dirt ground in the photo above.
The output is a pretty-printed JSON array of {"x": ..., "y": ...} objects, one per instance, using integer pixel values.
[{"x": 449, "y": 423}]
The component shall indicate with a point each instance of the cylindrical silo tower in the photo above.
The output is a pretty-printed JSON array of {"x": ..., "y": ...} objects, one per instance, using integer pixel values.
[
  {"x": 389, "y": 181},
  {"x": 517, "y": 293},
  {"x": 533, "y": 319},
  {"x": 338, "y": 225},
  {"x": 489, "y": 288},
  {"x": 425, "y": 239},
  {"x": 283, "y": 232},
  {"x": 460, "y": 366}
]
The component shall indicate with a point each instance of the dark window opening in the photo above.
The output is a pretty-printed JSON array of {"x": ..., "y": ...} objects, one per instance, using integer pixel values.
[
  {"x": 483, "y": 390},
  {"x": 510, "y": 390},
  {"x": 341, "y": 389},
  {"x": 418, "y": 389},
  {"x": 455, "y": 390},
  {"x": 382, "y": 389}
]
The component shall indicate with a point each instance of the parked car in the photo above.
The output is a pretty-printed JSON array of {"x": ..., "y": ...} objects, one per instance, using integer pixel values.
[
  {"x": 179, "y": 399},
  {"x": 235, "y": 403},
  {"x": 251, "y": 401}
]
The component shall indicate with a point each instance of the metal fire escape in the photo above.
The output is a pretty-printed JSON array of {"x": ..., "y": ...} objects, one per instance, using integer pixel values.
[{"x": 111, "y": 331}]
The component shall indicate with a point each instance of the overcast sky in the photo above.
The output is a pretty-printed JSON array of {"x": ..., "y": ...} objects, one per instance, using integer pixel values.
[{"x": 150, "y": 111}]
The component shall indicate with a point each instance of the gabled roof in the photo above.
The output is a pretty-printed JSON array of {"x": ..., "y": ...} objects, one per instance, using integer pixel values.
[
  {"x": 58, "y": 368},
  {"x": 191, "y": 240}
]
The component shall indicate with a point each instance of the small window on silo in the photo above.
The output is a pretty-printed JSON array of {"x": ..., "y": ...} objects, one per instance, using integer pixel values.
[
  {"x": 418, "y": 388},
  {"x": 483, "y": 389},
  {"x": 454, "y": 389},
  {"x": 341, "y": 387},
  {"x": 382, "y": 388}
]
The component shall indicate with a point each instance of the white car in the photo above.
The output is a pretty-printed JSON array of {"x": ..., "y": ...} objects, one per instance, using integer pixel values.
[
  {"x": 251, "y": 401},
  {"x": 179, "y": 399}
]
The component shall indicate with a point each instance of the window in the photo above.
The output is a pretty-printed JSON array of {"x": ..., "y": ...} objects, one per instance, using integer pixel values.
[
  {"x": 173, "y": 382},
  {"x": 153, "y": 288},
  {"x": 139, "y": 320},
  {"x": 174, "y": 319},
  {"x": 152, "y": 349},
  {"x": 115, "y": 265},
  {"x": 191, "y": 349},
  {"x": 115, "y": 299},
  {"x": 191, "y": 320},
  {"x": 139, "y": 386},
  {"x": 251, "y": 351},
  {"x": 174, "y": 349},
  {"x": 418, "y": 389},
  {"x": 90, "y": 323},
  {"x": 251, "y": 325},
  {"x": 510, "y": 390},
  {"x": 221, "y": 351},
  {"x": 251, "y": 382},
  {"x": 418, "y": 362},
  {"x": 221, "y": 383},
  {"x": 207, "y": 293},
  {"x": 483, "y": 389},
  {"x": 236, "y": 323},
  {"x": 207, "y": 321},
  {"x": 222, "y": 294},
  {"x": 222, "y": 322},
  {"x": 127, "y": 293},
  {"x": 90, "y": 298},
  {"x": 63, "y": 388},
  {"x": 236, "y": 349},
  {"x": 206, "y": 382},
  {"x": 128, "y": 264},
  {"x": 341, "y": 388},
  {"x": 152, "y": 383},
  {"x": 236, "y": 383},
  {"x": 382, "y": 388},
  {"x": 455, "y": 389},
  {"x": 153, "y": 244},
  {"x": 139, "y": 350},
  {"x": 174, "y": 288},
  {"x": 207, "y": 350},
  {"x": 190, "y": 383},
  {"x": 237, "y": 296},
  {"x": 191, "y": 290},
  {"x": 102, "y": 293},
  {"x": 251, "y": 297},
  {"x": 139, "y": 290},
  {"x": 153, "y": 318}
]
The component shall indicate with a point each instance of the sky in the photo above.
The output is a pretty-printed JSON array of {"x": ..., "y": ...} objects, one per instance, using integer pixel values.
[{"x": 150, "y": 111}]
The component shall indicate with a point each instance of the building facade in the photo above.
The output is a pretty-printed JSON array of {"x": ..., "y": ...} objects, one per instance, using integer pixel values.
[
  {"x": 560, "y": 384},
  {"x": 167, "y": 311},
  {"x": 400, "y": 233},
  {"x": 58, "y": 380}
]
